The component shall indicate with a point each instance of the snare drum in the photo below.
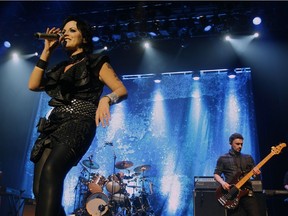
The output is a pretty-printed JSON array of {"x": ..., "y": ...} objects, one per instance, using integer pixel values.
[
  {"x": 97, "y": 204},
  {"x": 114, "y": 184},
  {"x": 97, "y": 183}
]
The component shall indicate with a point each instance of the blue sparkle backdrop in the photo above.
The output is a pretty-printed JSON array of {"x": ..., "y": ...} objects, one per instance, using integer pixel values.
[{"x": 178, "y": 127}]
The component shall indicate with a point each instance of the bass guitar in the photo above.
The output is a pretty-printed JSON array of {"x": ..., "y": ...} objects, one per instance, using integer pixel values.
[{"x": 230, "y": 198}]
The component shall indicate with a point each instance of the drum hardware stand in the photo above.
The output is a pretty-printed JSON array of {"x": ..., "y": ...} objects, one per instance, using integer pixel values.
[
  {"x": 114, "y": 171},
  {"x": 142, "y": 200},
  {"x": 111, "y": 203},
  {"x": 80, "y": 208}
]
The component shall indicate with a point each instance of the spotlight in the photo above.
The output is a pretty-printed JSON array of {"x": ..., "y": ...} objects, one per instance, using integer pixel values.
[
  {"x": 207, "y": 28},
  {"x": 152, "y": 34},
  {"x": 256, "y": 35},
  {"x": 231, "y": 74},
  {"x": 130, "y": 35},
  {"x": 196, "y": 75},
  {"x": 146, "y": 45},
  {"x": 105, "y": 48},
  {"x": 95, "y": 39},
  {"x": 15, "y": 56},
  {"x": 157, "y": 78},
  {"x": 227, "y": 38},
  {"x": 116, "y": 37},
  {"x": 7, "y": 44},
  {"x": 164, "y": 33},
  {"x": 257, "y": 21}
]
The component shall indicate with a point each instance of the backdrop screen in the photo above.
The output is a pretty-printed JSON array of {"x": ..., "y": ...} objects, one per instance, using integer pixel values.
[{"x": 171, "y": 132}]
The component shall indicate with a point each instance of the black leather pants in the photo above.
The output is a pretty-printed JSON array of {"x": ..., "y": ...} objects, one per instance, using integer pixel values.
[{"x": 49, "y": 174}]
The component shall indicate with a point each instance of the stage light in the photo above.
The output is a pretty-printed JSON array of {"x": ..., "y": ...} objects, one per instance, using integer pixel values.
[
  {"x": 204, "y": 23},
  {"x": 95, "y": 39},
  {"x": 257, "y": 21},
  {"x": 157, "y": 78},
  {"x": 116, "y": 37},
  {"x": 227, "y": 38},
  {"x": 105, "y": 48},
  {"x": 196, "y": 75},
  {"x": 130, "y": 35},
  {"x": 231, "y": 74},
  {"x": 15, "y": 56},
  {"x": 207, "y": 28},
  {"x": 152, "y": 34},
  {"x": 146, "y": 45},
  {"x": 164, "y": 33},
  {"x": 7, "y": 44},
  {"x": 256, "y": 35}
]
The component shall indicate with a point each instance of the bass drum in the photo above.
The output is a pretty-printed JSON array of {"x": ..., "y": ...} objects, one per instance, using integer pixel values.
[{"x": 97, "y": 204}]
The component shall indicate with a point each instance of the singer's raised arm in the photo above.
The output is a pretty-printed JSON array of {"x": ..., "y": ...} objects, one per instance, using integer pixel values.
[{"x": 37, "y": 80}]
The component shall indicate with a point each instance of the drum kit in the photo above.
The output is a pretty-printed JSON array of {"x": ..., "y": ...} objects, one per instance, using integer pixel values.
[{"x": 119, "y": 194}]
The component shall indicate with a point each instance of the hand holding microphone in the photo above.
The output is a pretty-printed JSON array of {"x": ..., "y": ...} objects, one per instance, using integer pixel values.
[
  {"x": 47, "y": 36},
  {"x": 51, "y": 34},
  {"x": 53, "y": 37}
]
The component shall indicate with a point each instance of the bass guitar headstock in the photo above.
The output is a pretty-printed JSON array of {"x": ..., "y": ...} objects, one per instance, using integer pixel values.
[{"x": 277, "y": 149}]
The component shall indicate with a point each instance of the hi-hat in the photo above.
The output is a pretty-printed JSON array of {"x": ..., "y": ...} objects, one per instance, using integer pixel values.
[
  {"x": 123, "y": 164},
  {"x": 133, "y": 186},
  {"x": 128, "y": 177},
  {"x": 90, "y": 164},
  {"x": 142, "y": 168}
]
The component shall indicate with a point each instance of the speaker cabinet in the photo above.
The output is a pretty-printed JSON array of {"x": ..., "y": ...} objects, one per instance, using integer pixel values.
[
  {"x": 29, "y": 207},
  {"x": 205, "y": 204}
]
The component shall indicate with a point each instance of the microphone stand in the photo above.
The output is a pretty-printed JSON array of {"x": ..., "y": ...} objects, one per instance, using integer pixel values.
[{"x": 114, "y": 172}]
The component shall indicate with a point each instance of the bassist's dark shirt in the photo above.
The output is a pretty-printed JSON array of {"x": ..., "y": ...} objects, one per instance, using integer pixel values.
[{"x": 233, "y": 163}]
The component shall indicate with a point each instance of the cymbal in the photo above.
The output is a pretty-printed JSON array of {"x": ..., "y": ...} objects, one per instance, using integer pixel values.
[
  {"x": 90, "y": 164},
  {"x": 142, "y": 168},
  {"x": 144, "y": 177},
  {"x": 128, "y": 177},
  {"x": 123, "y": 164}
]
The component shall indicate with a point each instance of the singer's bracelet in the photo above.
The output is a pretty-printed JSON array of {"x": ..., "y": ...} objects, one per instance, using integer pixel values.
[
  {"x": 42, "y": 64},
  {"x": 113, "y": 98}
]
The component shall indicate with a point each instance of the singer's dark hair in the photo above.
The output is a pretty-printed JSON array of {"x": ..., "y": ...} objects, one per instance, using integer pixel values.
[
  {"x": 86, "y": 31},
  {"x": 235, "y": 136}
]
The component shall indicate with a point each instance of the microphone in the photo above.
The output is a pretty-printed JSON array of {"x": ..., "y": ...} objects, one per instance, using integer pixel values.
[{"x": 40, "y": 35}]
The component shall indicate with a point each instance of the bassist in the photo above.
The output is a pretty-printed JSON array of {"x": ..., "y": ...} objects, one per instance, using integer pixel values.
[{"x": 233, "y": 166}]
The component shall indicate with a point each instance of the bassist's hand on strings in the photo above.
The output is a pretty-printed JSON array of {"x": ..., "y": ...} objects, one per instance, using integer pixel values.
[
  {"x": 226, "y": 186},
  {"x": 256, "y": 172},
  {"x": 221, "y": 181}
]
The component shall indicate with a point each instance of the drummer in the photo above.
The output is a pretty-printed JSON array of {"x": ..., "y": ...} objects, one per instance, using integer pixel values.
[{"x": 120, "y": 176}]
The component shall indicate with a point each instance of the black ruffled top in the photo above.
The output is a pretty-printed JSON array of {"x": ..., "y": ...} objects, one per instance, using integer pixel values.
[{"x": 81, "y": 81}]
